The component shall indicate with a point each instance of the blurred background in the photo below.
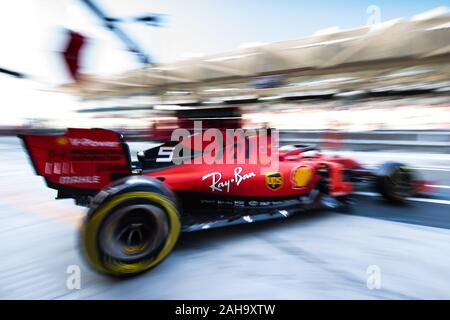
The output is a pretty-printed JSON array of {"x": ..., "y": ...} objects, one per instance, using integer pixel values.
[
  {"x": 146, "y": 67},
  {"x": 366, "y": 79}
]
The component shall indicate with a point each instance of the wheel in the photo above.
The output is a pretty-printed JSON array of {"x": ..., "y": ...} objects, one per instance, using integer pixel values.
[
  {"x": 395, "y": 182},
  {"x": 130, "y": 232}
]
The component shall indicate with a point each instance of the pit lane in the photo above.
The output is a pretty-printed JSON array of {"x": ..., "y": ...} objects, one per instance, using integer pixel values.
[{"x": 320, "y": 255}]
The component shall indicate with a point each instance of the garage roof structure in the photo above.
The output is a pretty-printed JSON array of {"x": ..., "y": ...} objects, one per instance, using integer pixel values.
[{"x": 410, "y": 50}]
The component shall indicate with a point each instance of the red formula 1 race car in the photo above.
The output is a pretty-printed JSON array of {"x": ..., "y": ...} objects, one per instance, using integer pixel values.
[{"x": 138, "y": 209}]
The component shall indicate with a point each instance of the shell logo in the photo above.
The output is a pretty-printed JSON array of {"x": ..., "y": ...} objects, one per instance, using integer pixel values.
[
  {"x": 62, "y": 141},
  {"x": 301, "y": 176}
]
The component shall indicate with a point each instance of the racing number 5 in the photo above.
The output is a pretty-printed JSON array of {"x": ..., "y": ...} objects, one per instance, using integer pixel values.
[{"x": 165, "y": 154}]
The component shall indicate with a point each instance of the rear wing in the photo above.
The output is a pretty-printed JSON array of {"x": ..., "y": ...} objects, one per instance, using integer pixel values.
[{"x": 79, "y": 162}]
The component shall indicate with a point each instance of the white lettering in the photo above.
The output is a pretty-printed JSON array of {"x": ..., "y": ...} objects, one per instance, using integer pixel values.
[
  {"x": 187, "y": 310},
  {"x": 165, "y": 154},
  {"x": 91, "y": 143},
  {"x": 78, "y": 180},
  {"x": 73, "y": 281},
  {"x": 218, "y": 185}
]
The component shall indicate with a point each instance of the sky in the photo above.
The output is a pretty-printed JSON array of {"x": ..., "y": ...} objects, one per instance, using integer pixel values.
[
  {"x": 32, "y": 38},
  {"x": 31, "y": 30}
]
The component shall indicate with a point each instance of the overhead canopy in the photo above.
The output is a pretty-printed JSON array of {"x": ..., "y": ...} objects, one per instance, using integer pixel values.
[{"x": 364, "y": 53}]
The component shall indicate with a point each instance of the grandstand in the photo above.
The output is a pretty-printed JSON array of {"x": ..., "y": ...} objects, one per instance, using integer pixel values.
[{"x": 376, "y": 66}]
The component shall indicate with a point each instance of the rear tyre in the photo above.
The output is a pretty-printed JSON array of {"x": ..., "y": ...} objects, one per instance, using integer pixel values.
[
  {"x": 395, "y": 182},
  {"x": 130, "y": 233}
]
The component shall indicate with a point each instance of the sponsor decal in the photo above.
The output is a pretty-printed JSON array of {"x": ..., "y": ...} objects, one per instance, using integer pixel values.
[
  {"x": 63, "y": 141},
  {"x": 274, "y": 180},
  {"x": 95, "y": 155},
  {"x": 239, "y": 203},
  {"x": 85, "y": 155},
  {"x": 58, "y": 168},
  {"x": 207, "y": 201},
  {"x": 277, "y": 203},
  {"x": 217, "y": 184},
  {"x": 57, "y": 154},
  {"x": 301, "y": 176},
  {"x": 165, "y": 154},
  {"x": 224, "y": 203},
  {"x": 84, "y": 142},
  {"x": 79, "y": 180}
]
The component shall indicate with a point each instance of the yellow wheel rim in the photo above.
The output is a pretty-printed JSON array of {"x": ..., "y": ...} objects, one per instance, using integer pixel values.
[{"x": 91, "y": 228}]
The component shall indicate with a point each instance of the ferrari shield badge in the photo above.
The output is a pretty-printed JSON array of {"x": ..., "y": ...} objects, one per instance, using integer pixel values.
[{"x": 274, "y": 180}]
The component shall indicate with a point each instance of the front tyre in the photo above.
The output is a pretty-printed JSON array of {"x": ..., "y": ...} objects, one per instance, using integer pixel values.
[
  {"x": 395, "y": 182},
  {"x": 130, "y": 233}
]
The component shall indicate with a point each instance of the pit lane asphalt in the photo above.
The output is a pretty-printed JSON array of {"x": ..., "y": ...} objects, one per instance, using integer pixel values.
[{"x": 320, "y": 255}]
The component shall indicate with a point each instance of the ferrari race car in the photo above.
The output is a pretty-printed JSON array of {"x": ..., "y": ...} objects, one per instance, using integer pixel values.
[{"x": 137, "y": 209}]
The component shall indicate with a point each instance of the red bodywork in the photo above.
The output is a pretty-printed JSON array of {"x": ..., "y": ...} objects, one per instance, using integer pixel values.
[
  {"x": 90, "y": 159},
  {"x": 84, "y": 159},
  {"x": 248, "y": 180}
]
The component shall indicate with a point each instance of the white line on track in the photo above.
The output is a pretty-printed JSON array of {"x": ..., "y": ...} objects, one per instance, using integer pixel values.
[
  {"x": 445, "y": 169},
  {"x": 374, "y": 194},
  {"x": 393, "y": 155},
  {"x": 432, "y": 169},
  {"x": 438, "y": 186}
]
